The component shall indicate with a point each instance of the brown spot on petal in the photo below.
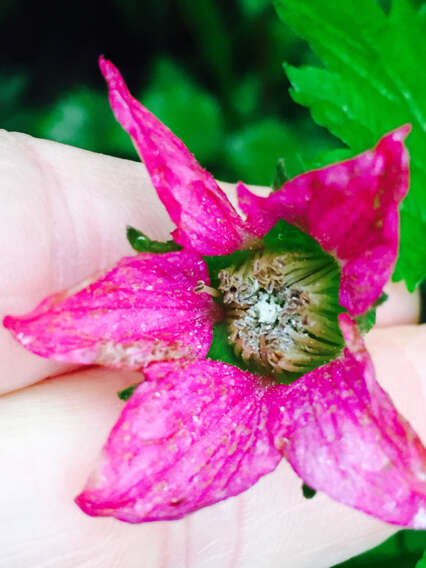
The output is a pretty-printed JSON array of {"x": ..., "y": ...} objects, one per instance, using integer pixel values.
[{"x": 134, "y": 355}]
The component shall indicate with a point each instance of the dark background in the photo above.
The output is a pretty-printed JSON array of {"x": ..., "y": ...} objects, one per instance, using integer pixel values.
[{"x": 210, "y": 69}]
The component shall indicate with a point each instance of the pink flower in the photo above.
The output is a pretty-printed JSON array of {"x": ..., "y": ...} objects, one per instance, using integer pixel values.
[{"x": 197, "y": 431}]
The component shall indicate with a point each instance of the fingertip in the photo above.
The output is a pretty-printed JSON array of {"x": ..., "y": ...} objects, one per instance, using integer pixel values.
[
  {"x": 399, "y": 358},
  {"x": 401, "y": 307}
]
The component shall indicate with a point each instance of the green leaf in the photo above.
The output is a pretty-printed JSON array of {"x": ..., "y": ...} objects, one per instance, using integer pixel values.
[
  {"x": 141, "y": 243},
  {"x": 373, "y": 81},
  {"x": 126, "y": 393},
  {"x": 187, "y": 109},
  {"x": 402, "y": 550},
  {"x": 415, "y": 541},
  {"x": 422, "y": 562},
  {"x": 412, "y": 234}
]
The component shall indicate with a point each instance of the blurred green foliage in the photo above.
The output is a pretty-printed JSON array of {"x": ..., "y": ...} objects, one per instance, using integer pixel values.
[
  {"x": 81, "y": 117},
  {"x": 226, "y": 97},
  {"x": 211, "y": 70},
  {"x": 422, "y": 562},
  {"x": 188, "y": 109},
  {"x": 371, "y": 82},
  {"x": 402, "y": 550}
]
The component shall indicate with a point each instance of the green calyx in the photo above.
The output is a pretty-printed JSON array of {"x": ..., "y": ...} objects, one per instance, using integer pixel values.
[
  {"x": 281, "y": 305},
  {"x": 126, "y": 393},
  {"x": 141, "y": 243},
  {"x": 281, "y": 175},
  {"x": 308, "y": 492},
  {"x": 284, "y": 237},
  {"x": 367, "y": 320}
]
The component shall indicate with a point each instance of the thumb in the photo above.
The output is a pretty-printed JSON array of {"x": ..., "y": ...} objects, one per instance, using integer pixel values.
[{"x": 64, "y": 215}]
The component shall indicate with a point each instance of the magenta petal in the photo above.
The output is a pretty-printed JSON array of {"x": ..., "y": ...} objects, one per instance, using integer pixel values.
[
  {"x": 194, "y": 433},
  {"x": 205, "y": 219},
  {"x": 342, "y": 435},
  {"x": 197, "y": 432},
  {"x": 258, "y": 216},
  {"x": 351, "y": 209},
  {"x": 144, "y": 309}
]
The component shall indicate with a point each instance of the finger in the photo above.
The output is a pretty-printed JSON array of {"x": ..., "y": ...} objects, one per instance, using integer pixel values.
[
  {"x": 56, "y": 428},
  {"x": 64, "y": 215},
  {"x": 399, "y": 357},
  {"x": 401, "y": 306}
]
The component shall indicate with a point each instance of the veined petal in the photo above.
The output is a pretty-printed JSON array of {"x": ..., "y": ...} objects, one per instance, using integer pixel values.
[
  {"x": 197, "y": 432},
  {"x": 144, "y": 309},
  {"x": 342, "y": 435},
  {"x": 194, "y": 433},
  {"x": 255, "y": 207},
  {"x": 351, "y": 209},
  {"x": 205, "y": 219}
]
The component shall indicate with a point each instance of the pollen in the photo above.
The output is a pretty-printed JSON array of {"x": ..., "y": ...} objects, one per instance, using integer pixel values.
[{"x": 282, "y": 311}]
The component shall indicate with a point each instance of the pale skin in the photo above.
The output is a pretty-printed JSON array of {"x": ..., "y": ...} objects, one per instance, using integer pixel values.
[{"x": 64, "y": 213}]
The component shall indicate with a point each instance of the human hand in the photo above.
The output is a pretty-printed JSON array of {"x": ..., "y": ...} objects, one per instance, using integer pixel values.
[{"x": 64, "y": 217}]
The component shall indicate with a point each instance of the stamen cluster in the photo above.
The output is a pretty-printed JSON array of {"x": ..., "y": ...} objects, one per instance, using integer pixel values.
[{"x": 282, "y": 311}]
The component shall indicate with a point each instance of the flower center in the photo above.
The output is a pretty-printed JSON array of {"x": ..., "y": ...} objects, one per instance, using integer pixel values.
[{"x": 282, "y": 311}]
